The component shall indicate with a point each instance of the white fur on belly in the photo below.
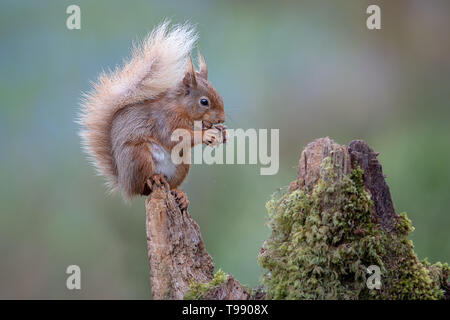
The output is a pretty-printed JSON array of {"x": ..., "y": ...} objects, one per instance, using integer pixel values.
[{"x": 162, "y": 160}]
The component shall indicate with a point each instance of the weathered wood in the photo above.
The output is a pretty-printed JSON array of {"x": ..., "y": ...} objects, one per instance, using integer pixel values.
[
  {"x": 366, "y": 158},
  {"x": 177, "y": 254},
  {"x": 311, "y": 159},
  {"x": 176, "y": 251},
  {"x": 358, "y": 153}
]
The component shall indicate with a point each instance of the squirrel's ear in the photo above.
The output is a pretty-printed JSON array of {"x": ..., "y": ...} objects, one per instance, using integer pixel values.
[
  {"x": 189, "y": 76},
  {"x": 203, "y": 68}
]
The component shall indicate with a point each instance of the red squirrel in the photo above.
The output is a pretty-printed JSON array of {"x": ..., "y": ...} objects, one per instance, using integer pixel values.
[{"x": 128, "y": 117}]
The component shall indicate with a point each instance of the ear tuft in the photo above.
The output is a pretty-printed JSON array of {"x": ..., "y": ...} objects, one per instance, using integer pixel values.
[
  {"x": 189, "y": 76},
  {"x": 203, "y": 68}
]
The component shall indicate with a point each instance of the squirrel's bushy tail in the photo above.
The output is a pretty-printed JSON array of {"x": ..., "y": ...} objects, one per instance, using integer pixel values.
[{"x": 157, "y": 64}]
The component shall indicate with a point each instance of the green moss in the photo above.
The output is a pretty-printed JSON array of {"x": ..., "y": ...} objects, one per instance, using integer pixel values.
[
  {"x": 198, "y": 290},
  {"x": 410, "y": 278},
  {"x": 324, "y": 239}
]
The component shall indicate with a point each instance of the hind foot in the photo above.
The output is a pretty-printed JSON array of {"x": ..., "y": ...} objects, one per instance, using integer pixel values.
[
  {"x": 155, "y": 181},
  {"x": 181, "y": 199}
]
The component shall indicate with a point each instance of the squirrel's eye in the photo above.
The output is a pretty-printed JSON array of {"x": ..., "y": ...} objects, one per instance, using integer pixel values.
[{"x": 204, "y": 102}]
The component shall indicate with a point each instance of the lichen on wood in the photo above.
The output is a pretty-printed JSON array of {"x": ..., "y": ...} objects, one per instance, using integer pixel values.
[{"x": 221, "y": 287}]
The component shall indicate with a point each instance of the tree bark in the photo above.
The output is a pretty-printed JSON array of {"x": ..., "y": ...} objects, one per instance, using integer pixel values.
[{"x": 177, "y": 254}]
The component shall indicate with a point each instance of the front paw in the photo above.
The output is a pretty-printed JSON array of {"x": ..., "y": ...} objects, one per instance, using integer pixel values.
[
  {"x": 181, "y": 199},
  {"x": 212, "y": 137},
  {"x": 223, "y": 131}
]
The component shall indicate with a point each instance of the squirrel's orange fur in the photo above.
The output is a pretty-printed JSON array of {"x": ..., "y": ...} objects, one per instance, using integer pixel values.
[{"x": 129, "y": 116}]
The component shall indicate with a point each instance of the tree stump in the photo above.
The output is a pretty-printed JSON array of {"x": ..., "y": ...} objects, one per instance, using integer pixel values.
[
  {"x": 336, "y": 219},
  {"x": 177, "y": 254},
  {"x": 336, "y": 223}
]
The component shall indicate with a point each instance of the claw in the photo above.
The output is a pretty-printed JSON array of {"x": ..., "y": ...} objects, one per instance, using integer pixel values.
[
  {"x": 157, "y": 181},
  {"x": 213, "y": 137},
  {"x": 181, "y": 199},
  {"x": 223, "y": 130}
]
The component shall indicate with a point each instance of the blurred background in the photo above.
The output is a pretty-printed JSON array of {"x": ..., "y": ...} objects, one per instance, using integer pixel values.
[{"x": 308, "y": 68}]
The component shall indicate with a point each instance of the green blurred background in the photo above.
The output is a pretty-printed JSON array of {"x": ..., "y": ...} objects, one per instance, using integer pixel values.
[{"x": 308, "y": 68}]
